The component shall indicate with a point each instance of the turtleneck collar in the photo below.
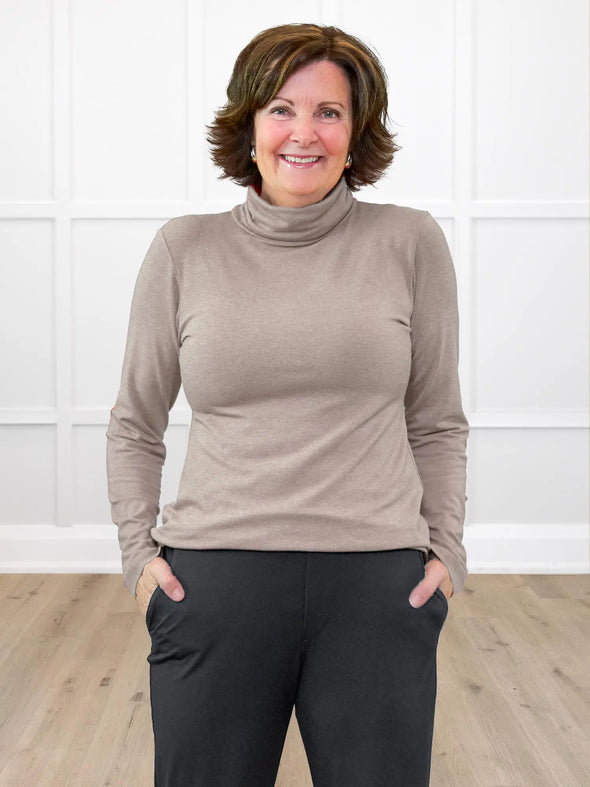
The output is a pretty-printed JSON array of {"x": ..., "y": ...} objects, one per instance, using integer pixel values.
[{"x": 294, "y": 226}]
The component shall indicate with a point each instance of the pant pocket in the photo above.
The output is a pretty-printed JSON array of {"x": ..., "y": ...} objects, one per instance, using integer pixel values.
[
  {"x": 438, "y": 592},
  {"x": 149, "y": 613},
  {"x": 150, "y": 607}
]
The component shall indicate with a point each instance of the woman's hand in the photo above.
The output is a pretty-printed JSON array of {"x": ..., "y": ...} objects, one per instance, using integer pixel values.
[
  {"x": 157, "y": 572},
  {"x": 437, "y": 576}
]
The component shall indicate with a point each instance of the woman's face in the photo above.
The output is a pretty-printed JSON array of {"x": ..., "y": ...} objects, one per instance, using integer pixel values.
[{"x": 311, "y": 116}]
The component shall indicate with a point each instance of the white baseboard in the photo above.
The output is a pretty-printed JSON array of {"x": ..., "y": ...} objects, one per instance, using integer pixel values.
[
  {"x": 491, "y": 549},
  {"x": 527, "y": 548}
]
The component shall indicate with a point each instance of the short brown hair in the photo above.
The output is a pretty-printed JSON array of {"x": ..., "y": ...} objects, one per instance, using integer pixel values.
[{"x": 261, "y": 69}]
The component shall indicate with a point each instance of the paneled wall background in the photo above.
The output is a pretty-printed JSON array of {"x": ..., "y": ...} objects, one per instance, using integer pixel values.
[{"x": 103, "y": 140}]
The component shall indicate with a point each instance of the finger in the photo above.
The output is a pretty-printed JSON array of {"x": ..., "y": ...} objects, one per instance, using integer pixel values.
[
  {"x": 172, "y": 587},
  {"x": 417, "y": 596},
  {"x": 177, "y": 592},
  {"x": 421, "y": 593}
]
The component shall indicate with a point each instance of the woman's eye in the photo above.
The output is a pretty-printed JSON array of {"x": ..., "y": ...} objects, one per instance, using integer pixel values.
[{"x": 332, "y": 113}]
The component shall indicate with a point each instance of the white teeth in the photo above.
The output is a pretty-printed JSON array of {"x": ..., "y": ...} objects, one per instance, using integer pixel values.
[{"x": 299, "y": 160}]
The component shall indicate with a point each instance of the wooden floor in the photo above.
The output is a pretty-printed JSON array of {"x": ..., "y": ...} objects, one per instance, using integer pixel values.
[{"x": 513, "y": 705}]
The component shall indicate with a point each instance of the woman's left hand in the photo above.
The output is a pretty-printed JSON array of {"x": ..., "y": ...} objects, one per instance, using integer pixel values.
[{"x": 437, "y": 576}]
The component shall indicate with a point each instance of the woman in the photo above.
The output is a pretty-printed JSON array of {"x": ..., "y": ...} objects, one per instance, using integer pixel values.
[{"x": 317, "y": 533}]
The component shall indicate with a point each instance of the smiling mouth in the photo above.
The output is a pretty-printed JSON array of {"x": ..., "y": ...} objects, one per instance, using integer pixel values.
[{"x": 300, "y": 161}]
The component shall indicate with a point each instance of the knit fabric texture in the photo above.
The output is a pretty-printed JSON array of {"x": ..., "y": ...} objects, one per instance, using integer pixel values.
[{"x": 318, "y": 350}]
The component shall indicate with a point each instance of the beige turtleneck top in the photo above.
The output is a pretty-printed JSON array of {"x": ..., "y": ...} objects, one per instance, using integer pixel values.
[{"x": 318, "y": 350}]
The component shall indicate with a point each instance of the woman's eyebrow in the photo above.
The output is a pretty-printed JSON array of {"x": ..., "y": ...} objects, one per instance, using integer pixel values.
[{"x": 321, "y": 103}]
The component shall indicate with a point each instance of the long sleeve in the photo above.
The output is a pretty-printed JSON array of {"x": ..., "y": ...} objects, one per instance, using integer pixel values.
[
  {"x": 150, "y": 382},
  {"x": 436, "y": 424}
]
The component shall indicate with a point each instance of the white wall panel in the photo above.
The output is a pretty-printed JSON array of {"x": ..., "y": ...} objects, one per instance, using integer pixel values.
[
  {"x": 26, "y": 171},
  {"x": 128, "y": 100},
  {"x": 531, "y": 99},
  {"x": 27, "y": 469},
  {"x": 530, "y": 476},
  {"x": 90, "y": 502},
  {"x": 530, "y": 314},
  {"x": 27, "y": 313}
]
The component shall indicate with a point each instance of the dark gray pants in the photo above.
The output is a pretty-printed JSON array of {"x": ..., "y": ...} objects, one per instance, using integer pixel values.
[{"x": 258, "y": 632}]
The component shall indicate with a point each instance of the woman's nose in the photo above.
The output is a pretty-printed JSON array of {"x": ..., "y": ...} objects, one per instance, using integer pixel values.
[{"x": 303, "y": 131}]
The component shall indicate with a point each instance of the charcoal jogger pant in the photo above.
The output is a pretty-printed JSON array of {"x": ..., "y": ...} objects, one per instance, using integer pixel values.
[{"x": 260, "y": 632}]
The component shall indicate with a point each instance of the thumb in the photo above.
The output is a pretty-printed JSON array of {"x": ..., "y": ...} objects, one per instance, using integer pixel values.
[
  {"x": 420, "y": 594},
  {"x": 170, "y": 584}
]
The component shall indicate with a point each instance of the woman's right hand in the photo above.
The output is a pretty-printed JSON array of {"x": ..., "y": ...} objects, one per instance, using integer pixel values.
[{"x": 157, "y": 572}]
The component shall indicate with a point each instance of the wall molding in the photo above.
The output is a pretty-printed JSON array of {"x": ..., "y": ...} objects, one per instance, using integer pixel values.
[{"x": 491, "y": 549}]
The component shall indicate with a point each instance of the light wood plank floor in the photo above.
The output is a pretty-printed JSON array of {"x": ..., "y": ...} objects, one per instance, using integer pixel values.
[{"x": 513, "y": 704}]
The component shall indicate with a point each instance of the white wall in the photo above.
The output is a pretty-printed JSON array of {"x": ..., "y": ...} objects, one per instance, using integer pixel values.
[{"x": 103, "y": 140}]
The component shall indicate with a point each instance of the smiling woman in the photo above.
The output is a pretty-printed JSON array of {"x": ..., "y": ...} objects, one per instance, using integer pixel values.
[
  {"x": 277, "y": 76},
  {"x": 301, "y": 149},
  {"x": 316, "y": 534}
]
